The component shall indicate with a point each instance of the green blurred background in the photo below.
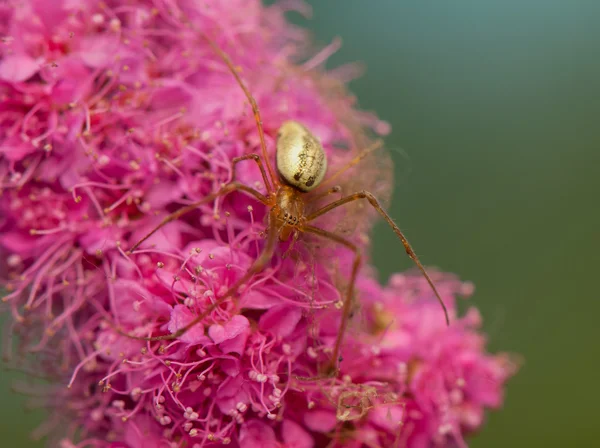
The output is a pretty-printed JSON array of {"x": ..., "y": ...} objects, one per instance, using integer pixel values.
[{"x": 496, "y": 104}]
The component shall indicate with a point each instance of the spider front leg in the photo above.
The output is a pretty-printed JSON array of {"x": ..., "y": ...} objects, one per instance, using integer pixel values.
[
  {"x": 228, "y": 188},
  {"x": 261, "y": 167},
  {"x": 332, "y": 368},
  {"x": 258, "y": 265},
  {"x": 255, "y": 111},
  {"x": 361, "y": 155},
  {"x": 319, "y": 196},
  {"x": 409, "y": 250}
]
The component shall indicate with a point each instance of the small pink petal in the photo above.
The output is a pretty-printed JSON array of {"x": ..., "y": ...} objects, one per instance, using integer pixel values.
[
  {"x": 281, "y": 320},
  {"x": 389, "y": 418},
  {"x": 235, "y": 345},
  {"x": 165, "y": 239},
  {"x": 72, "y": 80},
  {"x": 256, "y": 434},
  {"x": 230, "y": 367},
  {"x": 320, "y": 421},
  {"x": 50, "y": 13},
  {"x": 231, "y": 392},
  {"x": 18, "y": 67},
  {"x": 256, "y": 300},
  {"x": 15, "y": 149},
  {"x": 182, "y": 316},
  {"x": 100, "y": 239},
  {"x": 143, "y": 431},
  {"x": 160, "y": 195},
  {"x": 98, "y": 51},
  {"x": 19, "y": 243},
  {"x": 471, "y": 415},
  {"x": 112, "y": 346},
  {"x": 236, "y": 326},
  {"x": 295, "y": 436},
  {"x": 131, "y": 309}
]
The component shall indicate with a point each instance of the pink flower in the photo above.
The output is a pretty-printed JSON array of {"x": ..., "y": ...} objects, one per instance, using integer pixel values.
[{"x": 112, "y": 116}]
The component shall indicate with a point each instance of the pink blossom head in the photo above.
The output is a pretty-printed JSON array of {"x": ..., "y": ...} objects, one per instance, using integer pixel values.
[{"x": 114, "y": 115}]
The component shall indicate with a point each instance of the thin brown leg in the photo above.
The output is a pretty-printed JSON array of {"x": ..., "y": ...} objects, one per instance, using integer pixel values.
[
  {"x": 319, "y": 196},
  {"x": 332, "y": 368},
  {"x": 293, "y": 242},
  {"x": 252, "y": 102},
  {"x": 361, "y": 155},
  {"x": 409, "y": 250},
  {"x": 256, "y": 267},
  {"x": 256, "y": 158},
  {"x": 233, "y": 186}
]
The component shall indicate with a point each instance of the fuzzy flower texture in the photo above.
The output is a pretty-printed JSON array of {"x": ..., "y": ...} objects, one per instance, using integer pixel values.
[{"x": 114, "y": 114}]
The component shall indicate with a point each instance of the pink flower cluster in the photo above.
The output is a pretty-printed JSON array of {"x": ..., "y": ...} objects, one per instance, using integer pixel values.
[{"x": 114, "y": 114}]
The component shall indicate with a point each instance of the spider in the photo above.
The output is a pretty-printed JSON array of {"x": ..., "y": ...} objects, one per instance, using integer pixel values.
[{"x": 301, "y": 165}]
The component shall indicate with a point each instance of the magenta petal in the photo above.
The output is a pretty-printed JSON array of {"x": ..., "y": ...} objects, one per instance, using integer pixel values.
[
  {"x": 281, "y": 320},
  {"x": 142, "y": 432},
  {"x": 51, "y": 13},
  {"x": 19, "y": 243},
  {"x": 182, "y": 316},
  {"x": 256, "y": 434},
  {"x": 13, "y": 148},
  {"x": 217, "y": 333},
  {"x": 236, "y": 326},
  {"x": 164, "y": 239},
  {"x": 230, "y": 366},
  {"x": 320, "y": 421},
  {"x": 98, "y": 51},
  {"x": 18, "y": 67},
  {"x": 230, "y": 393},
  {"x": 162, "y": 194},
  {"x": 72, "y": 80},
  {"x": 387, "y": 417},
  {"x": 257, "y": 300},
  {"x": 295, "y": 436},
  {"x": 114, "y": 347},
  {"x": 235, "y": 344}
]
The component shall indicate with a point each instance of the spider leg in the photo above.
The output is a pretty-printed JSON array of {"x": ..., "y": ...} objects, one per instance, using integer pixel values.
[
  {"x": 361, "y": 155},
  {"x": 290, "y": 248},
  {"x": 319, "y": 196},
  {"x": 257, "y": 266},
  {"x": 256, "y": 158},
  {"x": 409, "y": 250},
  {"x": 347, "y": 307},
  {"x": 228, "y": 188},
  {"x": 234, "y": 71}
]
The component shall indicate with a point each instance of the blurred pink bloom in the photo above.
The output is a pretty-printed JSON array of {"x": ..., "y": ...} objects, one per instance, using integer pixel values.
[{"x": 113, "y": 114}]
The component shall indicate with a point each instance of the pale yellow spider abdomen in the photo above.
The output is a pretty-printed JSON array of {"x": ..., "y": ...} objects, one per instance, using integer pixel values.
[{"x": 301, "y": 160}]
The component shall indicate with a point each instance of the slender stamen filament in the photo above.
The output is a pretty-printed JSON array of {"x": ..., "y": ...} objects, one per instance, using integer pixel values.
[{"x": 59, "y": 229}]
